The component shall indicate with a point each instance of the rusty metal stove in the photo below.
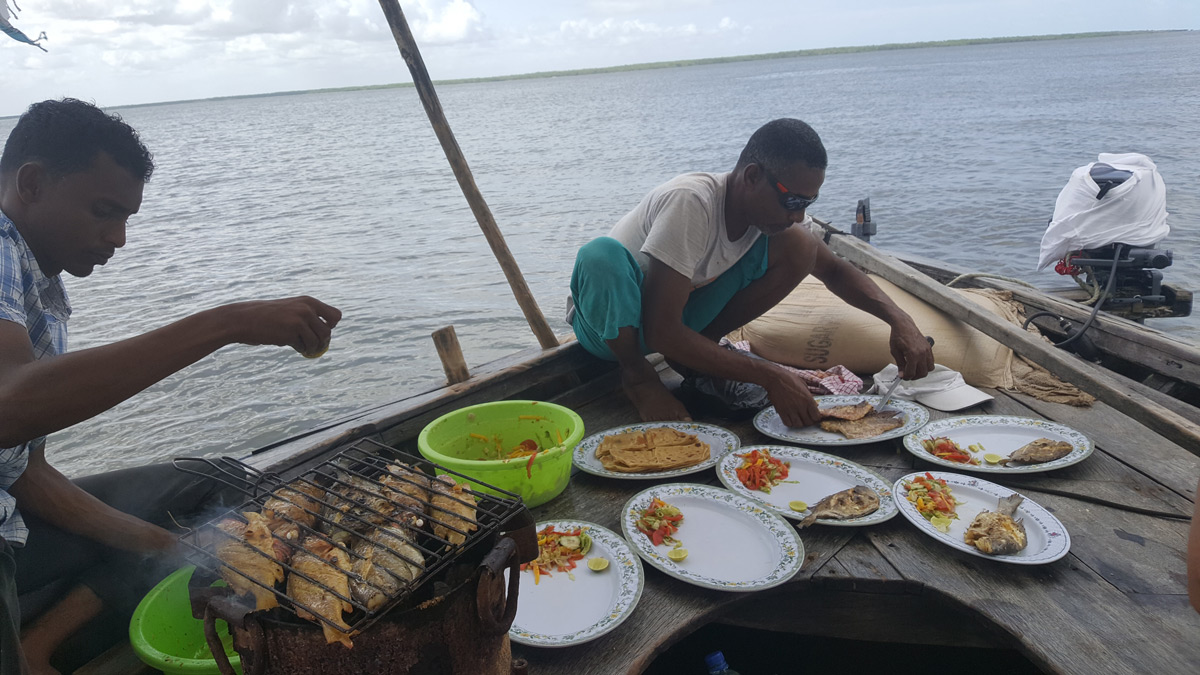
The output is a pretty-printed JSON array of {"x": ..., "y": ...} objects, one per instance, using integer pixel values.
[{"x": 452, "y": 619}]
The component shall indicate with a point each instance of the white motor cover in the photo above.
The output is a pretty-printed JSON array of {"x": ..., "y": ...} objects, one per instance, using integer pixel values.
[{"x": 1133, "y": 213}]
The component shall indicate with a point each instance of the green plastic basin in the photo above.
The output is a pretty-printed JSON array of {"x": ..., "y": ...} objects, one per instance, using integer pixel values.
[
  {"x": 166, "y": 637},
  {"x": 467, "y": 441}
]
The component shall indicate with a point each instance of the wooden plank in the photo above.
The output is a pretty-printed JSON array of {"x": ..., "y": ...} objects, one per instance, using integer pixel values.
[
  {"x": 1138, "y": 401},
  {"x": 1160, "y": 352},
  {"x": 119, "y": 660},
  {"x": 445, "y": 340},
  {"x": 858, "y": 566}
]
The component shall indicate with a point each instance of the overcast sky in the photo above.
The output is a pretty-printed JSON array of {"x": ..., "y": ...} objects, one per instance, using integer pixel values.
[{"x": 118, "y": 52}]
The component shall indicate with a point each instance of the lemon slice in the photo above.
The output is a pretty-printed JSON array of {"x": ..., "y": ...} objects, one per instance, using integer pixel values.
[
  {"x": 677, "y": 554},
  {"x": 319, "y": 353},
  {"x": 992, "y": 459},
  {"x": 798, "y": 506},
  {"x": 597, "y": 564}
]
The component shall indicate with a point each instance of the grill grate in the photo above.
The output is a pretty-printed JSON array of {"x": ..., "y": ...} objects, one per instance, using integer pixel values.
[{"x": 366, "y": 491}]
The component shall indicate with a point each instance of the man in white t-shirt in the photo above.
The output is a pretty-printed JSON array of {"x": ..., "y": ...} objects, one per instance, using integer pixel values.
[{"x": 704, "y": 254}]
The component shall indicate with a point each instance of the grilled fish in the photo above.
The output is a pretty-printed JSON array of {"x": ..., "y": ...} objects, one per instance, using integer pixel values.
[
  {"x": 289, "y": 508},
  {"x": 872, "y": 424},
  {"x": 995, "y": 532},
  {"x": 408, "y": 487},
  {"x": 353, "y": 504},
  {"x": 387, "y": 570},
  {"x": 449, "y": 495},
  {"x": 326, "y": 565},
  {"x": 848, "y": 412},
  {"x": 859, "y": 500},
  {"x": 1041, "y": 450},
  {"x": 253, "y": 552}
]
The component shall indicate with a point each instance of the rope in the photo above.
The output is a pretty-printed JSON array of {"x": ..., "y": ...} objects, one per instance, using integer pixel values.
[
  {"x": 1102, "y": 502},
  {"x": 984, "y": 275}
]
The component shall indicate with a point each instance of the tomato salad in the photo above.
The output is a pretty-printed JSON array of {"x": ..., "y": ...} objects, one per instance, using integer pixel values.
[
  {"x": 558, "y": 551},
  {"x": 933, "y": 500},
  {"x": 761, "y": 471},
  {"x": 659, "y": 521},
  {"x": 946, "y": 449}
]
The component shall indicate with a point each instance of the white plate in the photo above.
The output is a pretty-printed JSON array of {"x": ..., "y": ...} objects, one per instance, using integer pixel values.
[
  {"x": 1047, "y": 538},
  {"x": 812, "y": 476},
  {"x": 767, "y": 421},
  {"x": 1000, "y": 435},
  {"x": 720, "y": 441},
  {"x": 560, "y": 611},
  {"x": 733, "y": 543}
]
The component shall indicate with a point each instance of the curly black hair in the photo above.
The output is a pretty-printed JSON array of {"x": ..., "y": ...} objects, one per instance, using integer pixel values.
[
  {"x": 66, "y": 135},
  {"x": 783, "y": 142}
]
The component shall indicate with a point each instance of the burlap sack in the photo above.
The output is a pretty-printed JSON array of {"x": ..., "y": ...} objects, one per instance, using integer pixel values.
[{"x": 814, "y": 329}]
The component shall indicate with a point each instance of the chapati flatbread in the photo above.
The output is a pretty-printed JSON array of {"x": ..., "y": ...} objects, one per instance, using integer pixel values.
[
  {"x": 848, "y": 412},
  {"x": 871, "y": 425},
  {"x": 657, "y": 449}
]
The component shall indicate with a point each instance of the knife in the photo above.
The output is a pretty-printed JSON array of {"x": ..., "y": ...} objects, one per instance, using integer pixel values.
[{"x": 887, "y": 395}]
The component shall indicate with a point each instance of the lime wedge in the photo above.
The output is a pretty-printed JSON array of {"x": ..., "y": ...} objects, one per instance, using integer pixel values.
[
  {"x": 597, "y": 564},
  {"x": 992, "y": 459},
  {"x": 319, "y": 353},
  {"x": 677, "y": 554},
  {"x": 798, "y": 506}
]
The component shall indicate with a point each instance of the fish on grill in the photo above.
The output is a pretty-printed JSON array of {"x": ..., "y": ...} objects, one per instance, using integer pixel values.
[
  {"x": 251, "y": 550},
  {"x": 407, "y": 486},
  {"x": 859, "y": 500},
  {"x": 996, "y": 532},
  {"x": 1041, "y": 450},
  {"x": 847, "y": 412},
  {"x": 868, "y": 426},
  {"x": 293, "y": 506},
  {"x": 353, "y": 505},
  {"x": 389, "y": 561},
  {"x": 326, "y": 565},
  {"x": 449, "y": 495}
]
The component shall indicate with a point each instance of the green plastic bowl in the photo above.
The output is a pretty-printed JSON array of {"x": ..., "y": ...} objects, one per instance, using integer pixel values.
[
  {"x": 166, "y": 637},
  {"x": 466, "y": 441}
]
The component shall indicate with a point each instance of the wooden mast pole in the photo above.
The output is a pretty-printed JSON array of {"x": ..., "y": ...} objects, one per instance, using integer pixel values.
[{"x": 433, "y": 108}]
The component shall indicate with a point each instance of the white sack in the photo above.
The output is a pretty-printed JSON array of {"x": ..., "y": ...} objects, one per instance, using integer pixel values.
[{"x": 1133, "y": 213}]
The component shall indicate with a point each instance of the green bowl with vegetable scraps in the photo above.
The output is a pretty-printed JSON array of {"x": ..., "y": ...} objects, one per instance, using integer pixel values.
[{"x": 520, "y": 446}]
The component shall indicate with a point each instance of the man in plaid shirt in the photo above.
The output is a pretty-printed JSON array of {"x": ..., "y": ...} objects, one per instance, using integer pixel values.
[{"x": 70, "y": 177}]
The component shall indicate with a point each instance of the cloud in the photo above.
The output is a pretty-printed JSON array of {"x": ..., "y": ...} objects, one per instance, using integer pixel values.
[
  {"x": 440, "y": 22},
  {"x": 644, "y": 6}
]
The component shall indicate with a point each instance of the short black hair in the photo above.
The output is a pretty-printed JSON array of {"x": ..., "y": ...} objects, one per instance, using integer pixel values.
[
  {"x": 66, "y": 135},
  {"x": 783, "y": 142}
]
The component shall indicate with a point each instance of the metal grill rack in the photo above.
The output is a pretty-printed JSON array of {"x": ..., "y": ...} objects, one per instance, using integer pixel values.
[{"x": 353, "y": 487}]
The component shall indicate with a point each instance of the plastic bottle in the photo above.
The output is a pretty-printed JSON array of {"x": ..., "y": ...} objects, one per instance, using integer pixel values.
[{"x": 717, "y": 666}]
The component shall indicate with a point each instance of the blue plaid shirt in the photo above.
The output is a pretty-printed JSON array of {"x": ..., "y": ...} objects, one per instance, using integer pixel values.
[{"x": 40, "y": 305}]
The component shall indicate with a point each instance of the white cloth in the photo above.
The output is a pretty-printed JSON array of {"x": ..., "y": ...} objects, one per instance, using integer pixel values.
[
  {"x": 1133, "y": 213},
  {"x": 681, "y": 223},
  {"x": 942, "y": 389}
]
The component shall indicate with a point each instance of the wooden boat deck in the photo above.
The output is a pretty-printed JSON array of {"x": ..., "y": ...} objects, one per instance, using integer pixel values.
[{"x": 1116, "y": 603}]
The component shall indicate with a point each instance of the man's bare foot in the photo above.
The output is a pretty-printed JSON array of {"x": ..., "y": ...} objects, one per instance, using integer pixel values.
[{"x": 653, "y": 401}]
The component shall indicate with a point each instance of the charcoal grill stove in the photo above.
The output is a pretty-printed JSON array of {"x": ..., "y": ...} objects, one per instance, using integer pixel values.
[{"x": 432, "y": 624}]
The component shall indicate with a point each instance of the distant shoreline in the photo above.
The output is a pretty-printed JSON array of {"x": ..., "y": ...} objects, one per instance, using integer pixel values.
[{"x": 668, "y": 64}]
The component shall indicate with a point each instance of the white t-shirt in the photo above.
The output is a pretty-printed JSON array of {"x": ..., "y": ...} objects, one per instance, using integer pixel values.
[{"x": 681, "y": 223}]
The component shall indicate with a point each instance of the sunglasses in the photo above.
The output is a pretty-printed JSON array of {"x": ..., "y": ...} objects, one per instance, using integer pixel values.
[{"x": 788, "y": 200}]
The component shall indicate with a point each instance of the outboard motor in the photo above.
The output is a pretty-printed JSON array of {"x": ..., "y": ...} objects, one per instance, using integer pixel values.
[{"x": 1107, "y": 223}]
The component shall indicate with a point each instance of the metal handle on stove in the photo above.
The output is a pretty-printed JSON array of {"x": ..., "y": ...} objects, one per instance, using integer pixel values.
[
  {"x": 490, "y": 595},
  {"x": 235, "y": 614}
]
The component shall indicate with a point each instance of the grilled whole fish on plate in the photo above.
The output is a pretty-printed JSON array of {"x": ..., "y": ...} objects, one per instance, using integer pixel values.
[
  {"x": 1041, "y": 450},
  {"x": 390, "y": 561},
  {"x": 251, "y": 550},
  {"x": 995, "y": 532},
  {"x": 859, "y": 500},
  {"x": 449, "y": 495},
  {"x": 326, "y": 565}
]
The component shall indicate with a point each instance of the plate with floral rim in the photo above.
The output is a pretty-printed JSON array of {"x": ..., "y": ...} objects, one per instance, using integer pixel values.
[
  {"x": 767, "y": 421},
  {"x": 564, "y": 609},
  {"x": 812, "y": 476},
  {"x": 1047, "y": 538},
  {"x": 733, "y": 543},
  {"x": 1000, "y": 435},
  {"x": 719, "y": 440}
]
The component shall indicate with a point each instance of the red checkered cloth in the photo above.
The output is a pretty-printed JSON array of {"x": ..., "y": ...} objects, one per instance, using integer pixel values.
[{"x": 836, "y": 380}]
